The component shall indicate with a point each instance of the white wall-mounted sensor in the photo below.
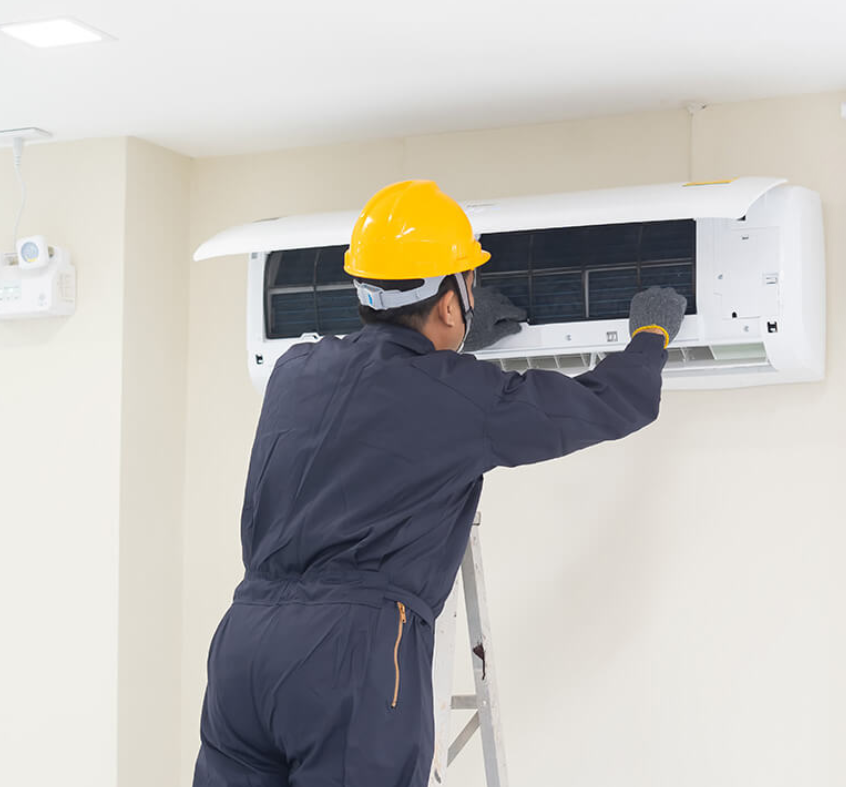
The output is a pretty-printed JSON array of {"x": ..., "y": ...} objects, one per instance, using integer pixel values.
[
  {"x": 37, "y": 280},
  {"x": 33, "y": 252}
]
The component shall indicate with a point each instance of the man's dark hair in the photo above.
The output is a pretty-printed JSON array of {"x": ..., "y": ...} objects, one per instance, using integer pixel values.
[{"x": 411, "y": 316}]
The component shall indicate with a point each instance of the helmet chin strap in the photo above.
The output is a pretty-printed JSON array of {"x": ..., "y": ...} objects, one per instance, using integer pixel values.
[{"x": 466, "y": 308}]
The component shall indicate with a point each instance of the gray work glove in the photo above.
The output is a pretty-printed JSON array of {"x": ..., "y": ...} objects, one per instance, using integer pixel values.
[
  {"x": 661, "y": 306},
  {"x": 494, "y": 317}
]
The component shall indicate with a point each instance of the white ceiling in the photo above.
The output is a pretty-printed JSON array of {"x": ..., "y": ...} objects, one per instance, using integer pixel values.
[{"x": 213, "y": 77}]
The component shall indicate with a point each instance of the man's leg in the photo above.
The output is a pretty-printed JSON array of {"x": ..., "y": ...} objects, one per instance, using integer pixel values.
[
  {"x": 235, "y": 749},
  {"x": 363, "y": 738}
]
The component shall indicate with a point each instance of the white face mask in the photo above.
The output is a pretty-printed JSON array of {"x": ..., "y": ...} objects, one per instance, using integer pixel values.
[{"x": 466, "y": 308}]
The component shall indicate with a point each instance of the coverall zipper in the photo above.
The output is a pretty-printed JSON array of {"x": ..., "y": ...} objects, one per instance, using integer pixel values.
[{"x": 402, "y": 621}]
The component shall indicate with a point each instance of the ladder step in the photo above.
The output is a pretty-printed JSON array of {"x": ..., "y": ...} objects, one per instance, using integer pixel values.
[{"x": 465, "y": 702}]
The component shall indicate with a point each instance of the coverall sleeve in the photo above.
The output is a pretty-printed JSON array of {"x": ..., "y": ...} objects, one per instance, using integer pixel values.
[{"x": 542, "y": 415}]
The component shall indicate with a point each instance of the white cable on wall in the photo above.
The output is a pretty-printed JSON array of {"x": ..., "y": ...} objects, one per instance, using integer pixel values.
[{"x": 17, "y": 154}]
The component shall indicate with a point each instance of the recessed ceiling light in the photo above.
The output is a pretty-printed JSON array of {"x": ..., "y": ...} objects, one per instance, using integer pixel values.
[{"x": 53, "y": 32}]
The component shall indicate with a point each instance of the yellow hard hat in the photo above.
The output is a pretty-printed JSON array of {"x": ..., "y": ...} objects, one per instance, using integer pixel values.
[{"x": 412, "y": 230}]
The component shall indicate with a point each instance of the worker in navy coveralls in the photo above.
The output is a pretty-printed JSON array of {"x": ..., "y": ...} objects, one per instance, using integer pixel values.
[{"x": 364, "y": 479}]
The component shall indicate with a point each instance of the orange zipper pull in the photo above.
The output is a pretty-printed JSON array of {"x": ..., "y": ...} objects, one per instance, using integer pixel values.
[{"x": 402, "y": 621}]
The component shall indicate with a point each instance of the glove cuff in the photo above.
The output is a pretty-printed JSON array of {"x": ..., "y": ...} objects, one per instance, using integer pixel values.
[{"x": 654, "y": 327}]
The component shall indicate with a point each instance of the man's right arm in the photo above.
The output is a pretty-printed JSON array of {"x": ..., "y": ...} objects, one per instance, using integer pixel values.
[{"x": 543, "y": 415}]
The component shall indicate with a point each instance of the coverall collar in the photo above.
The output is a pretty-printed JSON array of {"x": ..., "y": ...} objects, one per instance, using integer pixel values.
[{"x": 399, "y": 334}]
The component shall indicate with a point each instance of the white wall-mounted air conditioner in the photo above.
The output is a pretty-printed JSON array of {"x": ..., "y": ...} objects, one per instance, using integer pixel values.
[{"x": 747, "y": 253}]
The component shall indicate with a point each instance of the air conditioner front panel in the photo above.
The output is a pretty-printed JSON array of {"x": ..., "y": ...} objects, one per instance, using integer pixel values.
[
  {"x": 289, "y": 232},
  {"x": 635, "y": 204}
]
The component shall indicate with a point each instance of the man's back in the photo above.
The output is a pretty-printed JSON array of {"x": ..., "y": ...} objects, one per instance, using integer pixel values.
[{"x": 365, "y": 461}]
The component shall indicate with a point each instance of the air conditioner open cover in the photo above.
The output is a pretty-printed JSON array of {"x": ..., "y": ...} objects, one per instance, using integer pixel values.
[{"x": 722, "y": 200}]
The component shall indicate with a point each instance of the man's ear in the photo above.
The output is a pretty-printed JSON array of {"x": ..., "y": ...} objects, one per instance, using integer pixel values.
[{"x": 448, "y": 309}]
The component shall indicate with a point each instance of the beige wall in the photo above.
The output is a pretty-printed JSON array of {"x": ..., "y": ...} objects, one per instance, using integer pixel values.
[
  {"x": 92, "y": 469},
  {"x": 60, "y": 405},
  {"x": 666, "y": 608},
  {"x": 155, "y": 352}
]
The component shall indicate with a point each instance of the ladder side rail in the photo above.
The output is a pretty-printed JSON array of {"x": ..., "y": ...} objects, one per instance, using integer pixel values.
[
  {"x": 442, "y": 677},
  {"x": 484, "y": 667}
]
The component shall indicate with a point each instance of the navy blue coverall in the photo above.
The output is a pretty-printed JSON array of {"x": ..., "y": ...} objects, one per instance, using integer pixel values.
[{"x": 363, "y": 482}]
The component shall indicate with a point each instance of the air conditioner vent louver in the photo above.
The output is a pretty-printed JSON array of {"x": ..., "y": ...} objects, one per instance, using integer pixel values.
[{"x": 685, "y": 359}]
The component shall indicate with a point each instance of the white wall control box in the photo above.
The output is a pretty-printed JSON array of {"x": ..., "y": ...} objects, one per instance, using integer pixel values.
[{"x": 45, "y": 290}]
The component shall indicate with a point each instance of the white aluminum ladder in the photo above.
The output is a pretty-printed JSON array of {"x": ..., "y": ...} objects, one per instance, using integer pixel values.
[{"x": 485, "y": 701}]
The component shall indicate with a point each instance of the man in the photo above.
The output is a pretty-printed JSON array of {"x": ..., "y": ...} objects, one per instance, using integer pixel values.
[{"x": 364, "y": 478}]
